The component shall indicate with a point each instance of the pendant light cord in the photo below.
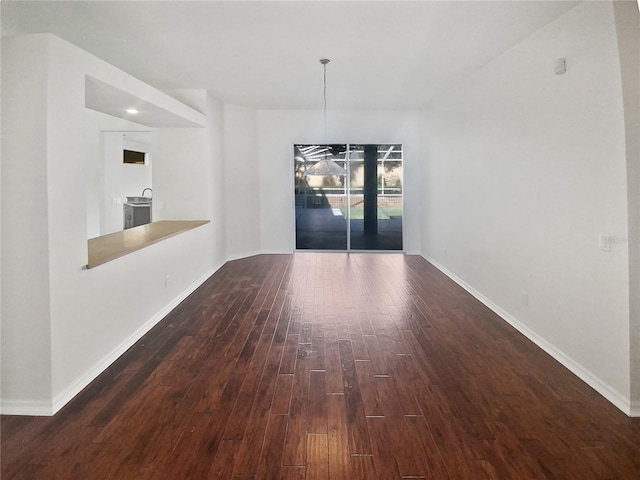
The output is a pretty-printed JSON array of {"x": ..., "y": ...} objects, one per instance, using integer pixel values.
[
  {"x": 324, "y": 62},
  {"x": 324, "y": 94}
]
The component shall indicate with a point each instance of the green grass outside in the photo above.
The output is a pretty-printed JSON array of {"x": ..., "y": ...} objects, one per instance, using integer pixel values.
[{"x": 357, "y": 212}]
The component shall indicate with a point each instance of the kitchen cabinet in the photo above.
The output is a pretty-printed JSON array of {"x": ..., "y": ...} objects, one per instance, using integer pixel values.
[{"x": 135, "y": 215}]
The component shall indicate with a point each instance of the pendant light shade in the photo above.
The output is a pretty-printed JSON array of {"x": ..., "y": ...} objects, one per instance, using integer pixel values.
[{"x": 325, "y": 166}]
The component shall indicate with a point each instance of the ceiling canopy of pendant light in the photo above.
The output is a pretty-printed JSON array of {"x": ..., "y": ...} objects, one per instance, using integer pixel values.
[{"x": 325, "y": 166}]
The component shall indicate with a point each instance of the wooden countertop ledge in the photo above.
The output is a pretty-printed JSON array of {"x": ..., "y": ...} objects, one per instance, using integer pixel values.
[{"x": 115, "y": 245}]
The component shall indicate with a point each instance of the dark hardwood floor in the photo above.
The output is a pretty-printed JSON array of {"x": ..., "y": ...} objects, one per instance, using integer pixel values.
[{"x": 329, "y": 366}]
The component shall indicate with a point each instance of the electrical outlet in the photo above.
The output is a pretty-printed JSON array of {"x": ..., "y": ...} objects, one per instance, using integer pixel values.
[
  {"x": 604, "y": 242},
  {"x": 166, "y": 280}
]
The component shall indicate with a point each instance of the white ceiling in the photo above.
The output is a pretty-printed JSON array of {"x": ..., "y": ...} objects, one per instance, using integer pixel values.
[{"x": 265, "y": 54}]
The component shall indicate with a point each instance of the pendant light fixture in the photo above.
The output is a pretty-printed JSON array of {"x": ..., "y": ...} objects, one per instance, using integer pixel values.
[{"x": 325, "y": 166}]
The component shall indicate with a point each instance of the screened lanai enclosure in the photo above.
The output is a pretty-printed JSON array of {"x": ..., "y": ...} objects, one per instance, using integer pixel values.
[{"x": 348, "y": 197}]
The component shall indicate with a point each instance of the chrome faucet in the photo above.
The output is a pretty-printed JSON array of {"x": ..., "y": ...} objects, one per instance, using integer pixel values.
[{"x": 146, "y": 190}]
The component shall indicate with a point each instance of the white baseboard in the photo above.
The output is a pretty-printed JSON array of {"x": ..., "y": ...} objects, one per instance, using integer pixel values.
[
  {"x": 239, "y": 256},
  {"x": 26, "y": 407},
  {"x": 72, "y": 390},
  {"x": 19, "y": 407},
  {"x": 276, "y": 252},
  {"x": 41, "y": 408},
  {"x": 604, "y": 389}
]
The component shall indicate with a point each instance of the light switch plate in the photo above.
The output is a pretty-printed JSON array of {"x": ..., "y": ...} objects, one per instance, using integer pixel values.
[{"x": 604, "y": 242}]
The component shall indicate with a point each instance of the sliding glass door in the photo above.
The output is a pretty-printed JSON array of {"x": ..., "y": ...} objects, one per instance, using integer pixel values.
[
  {"x": 348, "y": 197},
  {"x": 375, "y": 216},
  {"x": 321, "y": 197}
]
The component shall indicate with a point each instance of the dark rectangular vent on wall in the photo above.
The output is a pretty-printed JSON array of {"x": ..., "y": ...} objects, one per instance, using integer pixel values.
[{"x": 131, "y": 156}]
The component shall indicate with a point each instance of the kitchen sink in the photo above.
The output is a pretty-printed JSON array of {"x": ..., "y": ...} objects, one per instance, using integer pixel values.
[{"x": 139, "y": 200}]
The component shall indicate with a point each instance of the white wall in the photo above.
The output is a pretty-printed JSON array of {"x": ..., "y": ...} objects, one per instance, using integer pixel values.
[
  {"x": 627, "y": 19},
  {"x": 181, "y": 174},
  {"x": 62, "y": 324},
  {"x": 524, "y": 170},
  {"x": 279, "y": 130},
  {"x": 25, "y": 253},
  {"x": 214, "y": 110},
  {"x": 242, "y": 194}
]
